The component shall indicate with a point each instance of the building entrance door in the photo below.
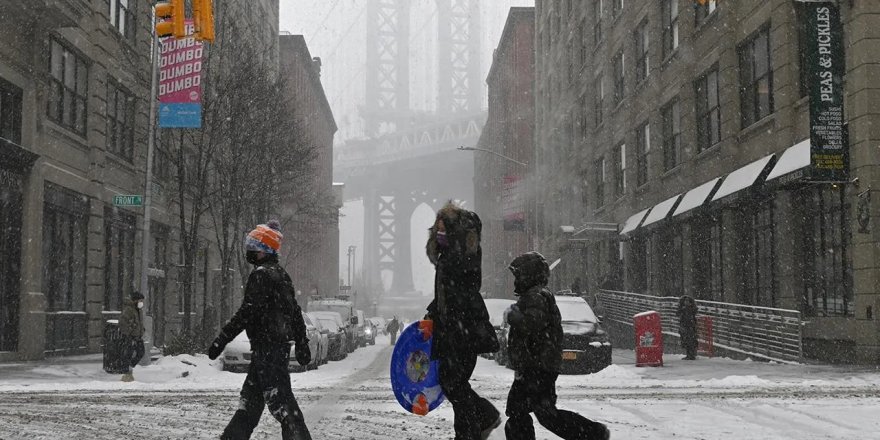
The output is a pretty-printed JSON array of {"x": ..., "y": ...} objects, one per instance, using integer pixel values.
[{"x": 11, "y": 187}]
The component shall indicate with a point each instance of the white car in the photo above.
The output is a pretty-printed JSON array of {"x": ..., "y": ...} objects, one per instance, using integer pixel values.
[
  {"x": 237, "y": 354},
  {"x": 320, "y": 356}
]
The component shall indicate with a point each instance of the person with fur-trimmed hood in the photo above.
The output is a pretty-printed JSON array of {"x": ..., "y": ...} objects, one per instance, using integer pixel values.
[
  {"x": 458, "y": 319},
  {"x": 273, "y": 320},
  {"x": 534, "y": 346}
]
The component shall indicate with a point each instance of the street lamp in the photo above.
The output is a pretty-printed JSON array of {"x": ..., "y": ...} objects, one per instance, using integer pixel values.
[{"x": 462, "y": 148}]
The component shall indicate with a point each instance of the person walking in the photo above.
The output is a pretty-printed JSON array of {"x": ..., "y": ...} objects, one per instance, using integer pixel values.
[
  {"x": 392, "y": 328},
  {"x": 687, "y": 326},
  {"x": 458, "y": 320},
  {"x": 272, "y": 319},
  {"x": 535, "y": 351},
  {"x": 131, "y": 325}
]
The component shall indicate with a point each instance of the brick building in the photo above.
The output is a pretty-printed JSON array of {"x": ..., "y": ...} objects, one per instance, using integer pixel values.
[
  {"x": 501, "y": 184},
  {"x": 685, "y": 126},
  {"x": 313, "y": 242}
]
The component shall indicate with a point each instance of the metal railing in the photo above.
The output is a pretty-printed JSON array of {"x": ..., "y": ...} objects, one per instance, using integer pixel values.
[{"x": 757, "y": 331}]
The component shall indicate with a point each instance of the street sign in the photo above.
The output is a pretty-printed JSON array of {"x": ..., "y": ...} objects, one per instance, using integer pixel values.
[{"x": 130, "y": 200}]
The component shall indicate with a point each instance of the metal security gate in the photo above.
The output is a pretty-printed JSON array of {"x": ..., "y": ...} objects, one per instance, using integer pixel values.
[{"x": 11, "y": 186}]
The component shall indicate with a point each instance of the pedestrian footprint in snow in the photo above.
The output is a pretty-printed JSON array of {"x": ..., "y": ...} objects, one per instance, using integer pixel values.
[
  {"x": 273, "y": 319},
  {"x": 534, "y": 346}
]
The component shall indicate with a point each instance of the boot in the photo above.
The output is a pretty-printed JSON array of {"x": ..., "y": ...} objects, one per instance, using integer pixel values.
[{"x": 128, "y": 377}]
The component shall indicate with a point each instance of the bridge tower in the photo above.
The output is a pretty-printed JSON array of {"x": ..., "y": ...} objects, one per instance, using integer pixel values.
[
  {"x": 388, "y": 210},
  {"x": 458, "y": 49}
]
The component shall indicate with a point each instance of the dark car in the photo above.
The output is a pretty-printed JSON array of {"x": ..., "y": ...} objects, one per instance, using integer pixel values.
[{"x": 585, "y": 345}]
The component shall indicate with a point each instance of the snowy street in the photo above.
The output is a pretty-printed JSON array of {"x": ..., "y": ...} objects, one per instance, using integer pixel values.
[{"x": 189, "y": 397}]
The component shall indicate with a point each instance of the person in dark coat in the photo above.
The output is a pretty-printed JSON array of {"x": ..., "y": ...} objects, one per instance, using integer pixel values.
[
  {"x": 392, "y": 328},
  {"x": 272, "y": 319},
  {"x": 459, "y": 319},
  {"x": 687, "y": 326},
  {"x": 131, "y": 325},
  {"x": 535, "y": 349}
]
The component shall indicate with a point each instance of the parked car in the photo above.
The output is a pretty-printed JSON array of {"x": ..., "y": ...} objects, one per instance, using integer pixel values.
[
  {"x": 361, "y": 327},
  {"x": 319, "y": 356},
  {"x": 497, "y": 307},
  {"x": 346, "y": 311},
  {"x": 337, "y": 336},
  {"x": 380, "y": 323},
  {"x": 237, "y": 354},
  {"x": 585, "y": 345}
]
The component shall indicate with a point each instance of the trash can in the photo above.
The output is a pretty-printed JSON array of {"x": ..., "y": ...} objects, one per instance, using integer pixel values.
[
  {"x": 115, "y": 348},
  {"x": 649, "y": 339}
]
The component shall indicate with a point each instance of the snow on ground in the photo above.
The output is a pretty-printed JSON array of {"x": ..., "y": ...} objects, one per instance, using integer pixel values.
[{"x": 190, "y": 397}]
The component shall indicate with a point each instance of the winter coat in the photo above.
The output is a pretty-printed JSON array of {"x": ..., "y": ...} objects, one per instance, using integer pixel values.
[
  {"x": 269, "y": 312},
  {"x": 687, "y": 321},
  {"x": 535, "y": 338},
  {"x": 461, "y": 320},
  {"x": 131, "y": 323},
  {"x": 392, "y": 327}
]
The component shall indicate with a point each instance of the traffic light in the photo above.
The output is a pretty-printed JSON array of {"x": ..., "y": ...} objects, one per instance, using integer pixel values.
[
  {"x": 173, "y": 15},
  {"x": 203, "y": 16}
]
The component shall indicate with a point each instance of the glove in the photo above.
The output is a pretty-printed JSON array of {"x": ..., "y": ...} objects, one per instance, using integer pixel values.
[
  {"x": 216, "y": 348},
  {"x": 426, "y": 328},
  {"x": 302, "y": 352}
]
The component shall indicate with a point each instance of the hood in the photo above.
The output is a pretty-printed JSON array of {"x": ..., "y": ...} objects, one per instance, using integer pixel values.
[
  {"x": 581, "y": 328},
  {"x": 463, "y": 229}
]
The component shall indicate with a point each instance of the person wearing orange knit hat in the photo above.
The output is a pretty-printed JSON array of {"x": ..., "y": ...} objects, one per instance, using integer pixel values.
[{"x": 273, "y": 320}]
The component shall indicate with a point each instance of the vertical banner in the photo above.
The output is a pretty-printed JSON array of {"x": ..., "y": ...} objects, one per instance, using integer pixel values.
[
  {"x": 513, "y": 204},
  {"x": 829, "y": 153},
  {"x": 180, "y": 82}
]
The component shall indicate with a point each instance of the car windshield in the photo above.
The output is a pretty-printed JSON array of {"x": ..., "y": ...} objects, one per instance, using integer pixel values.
[
  {"x": 329, "y": 323},
  {"x": 575, "y": 310}
]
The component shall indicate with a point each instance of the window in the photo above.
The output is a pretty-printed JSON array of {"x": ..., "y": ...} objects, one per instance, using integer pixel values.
[
  {"x": 643, "y": 68},
  {"x": 704, "y": 11},
  {"x": 707, "y": 258},
  {"x": 667, "y": 250},
  {"x": 756, "y": 78},
  {"x": 619, "y": 79},
  {"x": 616, "y": 8},
  {"x": 620, "y": 167},
  {"x": 760, "y": 279},
  {"x": 670, "y": 26},
  {"x": 599, "y": 102},
  {"x": 597, "y": 21},
  {"x": 68, "y": 79},
  {"x": 118, "y": 257},
  {"x": 643, "y": 147},
  {"x": 599, "y": 185},
  {"x": 671, "y": 115},
  {"x": 120, "y": 121},
  {"x": 708, "y": 110},
  {"x": 65, "y": 232},
  {"x": 828, "y": 280},
  {"x": 10, "y": 112},
  {"x": 803, "y": 59},
  {"x": 122, "y": 16},
  {"x": 639, "y": 252}
]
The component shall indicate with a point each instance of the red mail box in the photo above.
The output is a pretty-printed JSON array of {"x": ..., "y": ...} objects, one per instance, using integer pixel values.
[{"x": 649, "y": 339}]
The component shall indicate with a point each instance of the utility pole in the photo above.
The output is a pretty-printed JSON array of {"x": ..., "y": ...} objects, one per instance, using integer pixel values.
[{"x": 148, "y": 198}]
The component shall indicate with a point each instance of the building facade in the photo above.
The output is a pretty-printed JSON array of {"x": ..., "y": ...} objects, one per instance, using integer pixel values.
[
  {"x": 74, "y": 125},
  {"x": 503, "y": 181},
  {"x": 685, "y": 125},
  {"x": 313, "y": 243}
]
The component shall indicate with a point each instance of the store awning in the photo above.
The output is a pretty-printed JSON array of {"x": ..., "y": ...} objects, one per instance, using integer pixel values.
[
  {"x": 795, "y": 158},
  {"x": 633, "y": 222},
  {"x": 661, "y": 210},
  {"x": 696, "y": 197},
  {"x": 742, "y": 178}
]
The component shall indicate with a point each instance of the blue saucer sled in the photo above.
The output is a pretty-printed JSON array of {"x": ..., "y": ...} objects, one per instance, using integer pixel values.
[{"x": 414, "y": 376}]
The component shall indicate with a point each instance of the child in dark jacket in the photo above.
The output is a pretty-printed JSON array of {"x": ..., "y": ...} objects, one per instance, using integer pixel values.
[{"x": 535, "y": 349}]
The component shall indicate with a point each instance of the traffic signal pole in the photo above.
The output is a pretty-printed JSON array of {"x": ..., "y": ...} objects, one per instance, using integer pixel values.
[{"x": 148, "y": 201}]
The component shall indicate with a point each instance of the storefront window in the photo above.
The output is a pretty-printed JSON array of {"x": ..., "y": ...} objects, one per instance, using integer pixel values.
[
  {"x": 118, "y": 258},
  {"x": 706, "y": 248},
  {"x": 65, "y": 231},
  {"x": 828, "y": 277},
  {"x": 759, "y": 258}
]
